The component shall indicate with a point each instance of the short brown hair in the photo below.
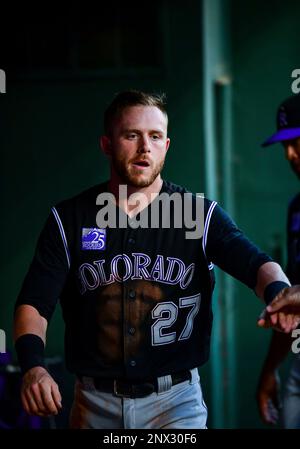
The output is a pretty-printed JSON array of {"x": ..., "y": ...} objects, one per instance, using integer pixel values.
[{"x": 131, "y": 98}]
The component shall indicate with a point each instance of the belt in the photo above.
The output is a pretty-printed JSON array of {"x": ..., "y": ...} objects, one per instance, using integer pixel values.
[{"x": 124, "y": 388}]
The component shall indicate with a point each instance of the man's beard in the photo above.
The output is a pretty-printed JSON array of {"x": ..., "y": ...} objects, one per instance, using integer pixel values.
[{"x": 130, "y": 176}]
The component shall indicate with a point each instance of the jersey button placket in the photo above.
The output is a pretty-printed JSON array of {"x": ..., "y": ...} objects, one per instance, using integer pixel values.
[
  {"x": 131, "y": 331},
  {"x": 132, "y": 294}
]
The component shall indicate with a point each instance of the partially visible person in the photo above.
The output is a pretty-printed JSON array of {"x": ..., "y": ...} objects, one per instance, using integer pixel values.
[{"x": 268, "y": 391}]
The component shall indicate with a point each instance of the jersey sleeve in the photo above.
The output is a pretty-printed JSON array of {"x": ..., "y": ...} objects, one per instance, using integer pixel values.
[
  {"x": 228, "y": 248},
  {"x": 290, "y": 250},
  {"x": 48, "y": 270},
  {"x": 293, "y": 241}
]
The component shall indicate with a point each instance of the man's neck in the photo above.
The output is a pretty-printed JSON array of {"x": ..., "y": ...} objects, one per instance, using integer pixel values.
[{"x": 142, "y": 196}]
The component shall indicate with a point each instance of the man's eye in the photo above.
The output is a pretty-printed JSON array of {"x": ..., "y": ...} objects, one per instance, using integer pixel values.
[
  {"x": 155, "y": 136},
  {"x": 131, "y": 136}
]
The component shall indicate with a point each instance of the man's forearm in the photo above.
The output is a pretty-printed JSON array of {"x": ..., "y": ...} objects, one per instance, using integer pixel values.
[
  {"x": 279, "y": 348},
  {"x": 28, "y": 321},
  {"x": 269, "y": 272},
  {"x": 29, "y": 336}
]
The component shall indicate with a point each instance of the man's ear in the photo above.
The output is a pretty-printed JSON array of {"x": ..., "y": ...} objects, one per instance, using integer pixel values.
[
  {"x": 105, "y": 145},
  {"x": 167, "y": 143}
]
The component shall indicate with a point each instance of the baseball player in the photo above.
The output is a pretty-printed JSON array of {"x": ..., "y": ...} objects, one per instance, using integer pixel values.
[
  {"x": 136, "y": 300},
  {"x": 288, "y": 133}
]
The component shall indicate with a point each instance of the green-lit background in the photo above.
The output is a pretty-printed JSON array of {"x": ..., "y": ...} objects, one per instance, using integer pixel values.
[{"x": 225, "y": 66}]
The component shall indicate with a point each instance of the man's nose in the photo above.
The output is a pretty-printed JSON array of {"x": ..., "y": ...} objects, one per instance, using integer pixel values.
[{"x": 144, "y": 145}]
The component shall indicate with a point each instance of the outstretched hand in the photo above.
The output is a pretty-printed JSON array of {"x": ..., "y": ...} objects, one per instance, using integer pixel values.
[{"x": 283, "y": 313}]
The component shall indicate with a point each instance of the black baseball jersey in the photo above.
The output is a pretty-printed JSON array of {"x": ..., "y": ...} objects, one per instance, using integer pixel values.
[
  {"x": 293, "y": 232},
  {"x": 136, "y": 302}
]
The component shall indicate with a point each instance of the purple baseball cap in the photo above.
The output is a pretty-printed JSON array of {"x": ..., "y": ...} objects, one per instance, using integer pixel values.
[{"x": 288, "y": 121}]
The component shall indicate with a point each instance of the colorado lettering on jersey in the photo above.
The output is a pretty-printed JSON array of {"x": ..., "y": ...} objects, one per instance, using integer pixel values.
[{"x": 169, "y": 270}]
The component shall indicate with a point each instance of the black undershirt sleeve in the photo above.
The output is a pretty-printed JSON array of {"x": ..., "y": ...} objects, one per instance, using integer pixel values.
[
  {"x": 47, "y": 273},
  {"x": 228, "y": 248}
]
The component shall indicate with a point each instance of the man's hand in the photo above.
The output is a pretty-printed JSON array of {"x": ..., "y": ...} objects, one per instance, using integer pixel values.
[
  {"x": 39, "y": 393},
  {"x": 267, "y": 396},
  {"x": 283, "y": 313}
]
